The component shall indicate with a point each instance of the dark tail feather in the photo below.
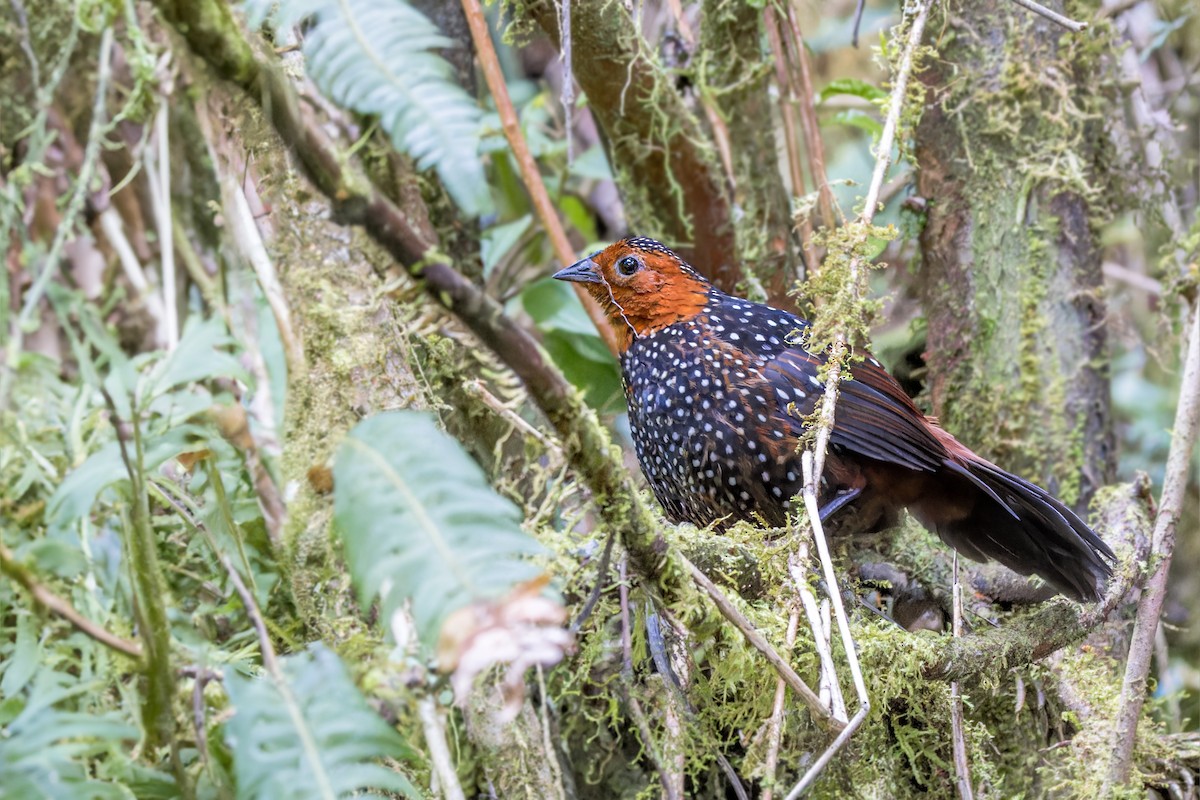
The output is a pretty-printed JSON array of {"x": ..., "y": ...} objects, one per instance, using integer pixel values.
[{"x": 1027, "y": 530}]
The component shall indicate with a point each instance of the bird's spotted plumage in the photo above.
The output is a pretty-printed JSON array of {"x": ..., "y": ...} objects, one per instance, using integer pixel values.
[
  {"x": 714, "y": 434},
  {"x": 719, "y": 388}
]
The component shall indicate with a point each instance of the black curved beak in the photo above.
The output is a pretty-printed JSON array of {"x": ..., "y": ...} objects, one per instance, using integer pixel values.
[{"x": 585, "y": 271}]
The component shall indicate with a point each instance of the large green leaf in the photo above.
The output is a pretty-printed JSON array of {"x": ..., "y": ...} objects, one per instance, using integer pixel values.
[
  {"x": 419, "y": 521},
  {"x": 311, "y": 735},
  {"x": 376, "y": 57}
]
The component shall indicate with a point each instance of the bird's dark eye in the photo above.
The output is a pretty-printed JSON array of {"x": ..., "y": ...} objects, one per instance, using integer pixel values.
[{"x": 628, "y": 265}]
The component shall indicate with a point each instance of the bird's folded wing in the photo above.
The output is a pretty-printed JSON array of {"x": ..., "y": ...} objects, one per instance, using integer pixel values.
[{"x": 874, "y": 417}]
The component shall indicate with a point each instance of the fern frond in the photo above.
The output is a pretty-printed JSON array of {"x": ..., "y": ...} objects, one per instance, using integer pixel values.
[
  {"x": 420, "y": 521},
  {"x": 311, "y": 735},
  {"x": 44, "y": 752},
  {"x": 375, "y": 57}
]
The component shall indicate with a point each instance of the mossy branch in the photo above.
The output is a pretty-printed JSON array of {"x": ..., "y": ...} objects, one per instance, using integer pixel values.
[
  {"x": 1124, "y": 520},
  {"x": 62, "y": 607},
  {"x": 213, "y": 35}
]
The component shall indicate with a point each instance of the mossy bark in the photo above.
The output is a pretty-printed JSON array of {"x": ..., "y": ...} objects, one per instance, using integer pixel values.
[
  {"x": 665, "y": 165},
  {"x": 729, "y": 69},
  {"x": 1013, "y": 158}
]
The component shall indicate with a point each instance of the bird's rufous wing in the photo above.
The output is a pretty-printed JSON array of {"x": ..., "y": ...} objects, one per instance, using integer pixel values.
[{"x": 874, "y": 417}]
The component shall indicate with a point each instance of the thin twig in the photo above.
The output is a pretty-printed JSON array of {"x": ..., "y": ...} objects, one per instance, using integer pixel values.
[
  {"x": 63, "y": 608},
  {"x": 962, "y": 768},
  {"x": 477, "y": 388},
  {"x": 835, "y": 597},
  {"x": 822, "y": 634},
  {"x": 490, "y": 65},
  {"x": 166, "y": 230},
  {"x": 1052, "y": 15},
  {"x": 813, "y": 461},
  {"x": 439, "y": 750},
  {"x": 114, "y": 231},
  {"x": 27, "y": 42},
  {"x": 787, "y": 113},
  {"x": 249, "y": 243},
  {"x": 1170, "y": 505},
  {"x": 775, "y": 724},
  {"x": 759, "y": 642},
  {"x": 814, "y": 147},
  {"x": 598, "y": 589}
]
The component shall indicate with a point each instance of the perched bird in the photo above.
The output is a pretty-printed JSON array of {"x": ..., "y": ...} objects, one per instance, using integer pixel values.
[{"x": 718, "y": 389}]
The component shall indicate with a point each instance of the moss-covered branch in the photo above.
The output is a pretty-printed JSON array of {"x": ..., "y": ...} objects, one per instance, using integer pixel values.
[{"x": 213, "y": 35}]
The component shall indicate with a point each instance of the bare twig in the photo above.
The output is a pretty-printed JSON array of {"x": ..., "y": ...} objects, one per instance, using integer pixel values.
[
  {"x": 962, "y": 768},
  {"x": 477, "y": 388},
  {"x": 439, "y": 750},
  {"x": 829, "y": 689},
  {"x": 814, "y": 147},
  {"x": 775, "y": 724},
  {"x": 1052, "y": 15},
  {"x": 598, "y": 589},
  {"x": 835, "y": 597},
  {"x": 787, "y": 112},
  {"x": 1137, "y": 280},
  {"x": 813, "y": 461},
  {"x": 1170, "y": 505},
  {"x": 249, "y": 242},
  {"x": 759, "y": 642},
  {"x": 26, "y": 42},
  {"x": 162, "y": 214},
  {"x": 63, "y": 608},
  {"x": 530, "y": 175},
  {"x": 114, "y": 232}
]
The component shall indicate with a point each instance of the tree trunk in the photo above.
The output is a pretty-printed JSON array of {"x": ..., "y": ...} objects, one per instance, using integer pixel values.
[{"x": 1013, "y": 161}]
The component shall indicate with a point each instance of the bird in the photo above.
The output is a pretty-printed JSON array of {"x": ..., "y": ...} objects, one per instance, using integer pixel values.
[{"x": 720, "y": 390}]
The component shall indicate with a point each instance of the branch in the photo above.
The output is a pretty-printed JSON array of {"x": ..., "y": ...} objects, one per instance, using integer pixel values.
[
  {"x": 63, "y": 608},
  {"x": 209, "y": 29},
  {"x": 1123, "y": 521},
  {"x": 760, "y": 643},
  {"x": 532, "y": 178},
  {"x": 661, "y": 157},
  {"x": 1052, "y": 15},
  {"x": 1174, "y": 492}
]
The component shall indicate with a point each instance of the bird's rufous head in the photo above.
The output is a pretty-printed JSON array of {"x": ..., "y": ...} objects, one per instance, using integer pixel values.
[{"x": 642, "y": 286}]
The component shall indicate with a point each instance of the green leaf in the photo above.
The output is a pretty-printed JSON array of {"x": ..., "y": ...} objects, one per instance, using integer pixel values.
[
  {"x": 21, "y": 665},
  {"x": 856, "y": 118},
  {"x": 44, "y": 751},
  {"x": 499, "y": 239},
  {"x": 853, "y": 86},
  {"x": 311, "y": 735},
  {"x": 199, "y": 356},
  {"x": 75, "y": 496},
  {"x": 573, "y": 343},
  {"x": 419, "y": 521},
  {"x": 376, "y": 57}
]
